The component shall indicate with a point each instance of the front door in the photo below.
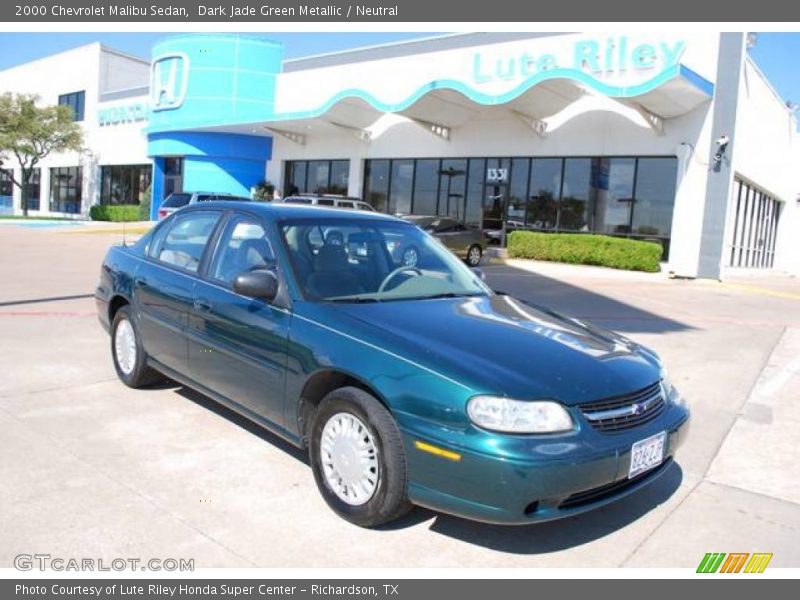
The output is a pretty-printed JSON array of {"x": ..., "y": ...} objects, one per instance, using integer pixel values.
[
  {"x": 163, "y": 285},
  {"x": 237, "y": 344}
]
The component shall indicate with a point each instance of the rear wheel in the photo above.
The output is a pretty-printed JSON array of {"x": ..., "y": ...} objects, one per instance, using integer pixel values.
[
  {"x": 358, "y": 459},
  {"x": 474, "y": 255},
  {"x": 130, "y": 360}
]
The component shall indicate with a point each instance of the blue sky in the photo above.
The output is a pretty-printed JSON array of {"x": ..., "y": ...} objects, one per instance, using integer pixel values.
[{"x": 775, "y": 53}]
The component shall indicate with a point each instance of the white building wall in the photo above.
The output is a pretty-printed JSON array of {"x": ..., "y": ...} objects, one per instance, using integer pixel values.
[
  {"x": 88, "y": 68},
  {"x": 767, "y": 153}
]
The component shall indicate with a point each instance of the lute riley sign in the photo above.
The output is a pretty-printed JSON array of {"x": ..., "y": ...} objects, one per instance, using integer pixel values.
[{"x": 600, "y": 59}]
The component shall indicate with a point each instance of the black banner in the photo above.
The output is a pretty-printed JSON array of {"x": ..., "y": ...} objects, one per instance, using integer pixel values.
[
  {"x": 465, "y": 11},
  {"x": 398, "y": 589}
]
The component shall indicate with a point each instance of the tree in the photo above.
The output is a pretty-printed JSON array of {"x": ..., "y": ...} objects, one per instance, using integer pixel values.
[{"x": 30, "y": 133}]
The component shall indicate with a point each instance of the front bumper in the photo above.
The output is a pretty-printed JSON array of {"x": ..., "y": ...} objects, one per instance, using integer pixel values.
[{"x": 534, "y": 479}]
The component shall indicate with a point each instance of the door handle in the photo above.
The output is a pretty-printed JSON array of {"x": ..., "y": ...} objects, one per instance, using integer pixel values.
[
  {"x": 202, "y": 305},
  {"x": 141, "y": 281}
]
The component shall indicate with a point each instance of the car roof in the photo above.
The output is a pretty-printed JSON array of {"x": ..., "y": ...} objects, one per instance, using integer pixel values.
[{"x": 279, "y": 210}]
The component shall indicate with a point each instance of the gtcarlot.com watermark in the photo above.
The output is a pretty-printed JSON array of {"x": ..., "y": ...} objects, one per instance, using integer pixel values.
[{"x": 47, "y": 562}]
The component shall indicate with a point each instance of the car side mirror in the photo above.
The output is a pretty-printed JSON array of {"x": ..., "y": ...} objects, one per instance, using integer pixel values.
[
  {"x": 257, "y": 284},
  {"x": 479, "y": 272}
]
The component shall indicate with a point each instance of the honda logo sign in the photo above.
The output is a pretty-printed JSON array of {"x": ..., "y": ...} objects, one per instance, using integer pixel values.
[{"x": 169, "y": 76}]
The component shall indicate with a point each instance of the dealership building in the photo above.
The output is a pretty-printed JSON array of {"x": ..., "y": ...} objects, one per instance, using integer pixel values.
[{"x": 666, "y": 136}]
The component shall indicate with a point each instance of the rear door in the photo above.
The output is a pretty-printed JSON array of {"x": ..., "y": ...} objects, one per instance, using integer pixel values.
[
  {"x": 164, "y": 284},
  {"x": 237, "y": 344}
]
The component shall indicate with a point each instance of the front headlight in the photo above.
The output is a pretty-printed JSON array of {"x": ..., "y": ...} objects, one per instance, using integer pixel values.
[
  {"x": 513, "y": 416},
  {"x": 671, "y": 394},
  {"x": 666, "y": 386}
]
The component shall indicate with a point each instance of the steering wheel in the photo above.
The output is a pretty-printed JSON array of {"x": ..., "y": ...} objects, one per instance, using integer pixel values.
[{"x": 396, "y": 272}]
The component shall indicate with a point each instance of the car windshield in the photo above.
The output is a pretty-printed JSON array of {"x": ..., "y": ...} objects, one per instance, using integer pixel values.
[
  {"x": 176, "y": 200},
  {"x": 354, "y": 260}
]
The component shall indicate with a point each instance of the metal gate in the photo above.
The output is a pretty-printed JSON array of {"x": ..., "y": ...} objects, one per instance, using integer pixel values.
[{"x": 754, "y": 227}]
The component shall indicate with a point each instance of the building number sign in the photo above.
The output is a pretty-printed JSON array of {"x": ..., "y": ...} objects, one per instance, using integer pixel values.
[{"x": 496, "y": 175}]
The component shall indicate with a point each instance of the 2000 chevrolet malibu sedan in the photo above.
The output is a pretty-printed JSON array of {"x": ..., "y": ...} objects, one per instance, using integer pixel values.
[{"x": 407, "y": 384}]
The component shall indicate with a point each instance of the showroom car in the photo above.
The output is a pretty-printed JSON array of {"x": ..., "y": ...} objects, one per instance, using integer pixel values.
[{"x": 407, "y": 385}]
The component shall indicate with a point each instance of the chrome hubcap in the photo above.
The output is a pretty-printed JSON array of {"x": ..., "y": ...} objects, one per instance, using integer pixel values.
[
  {"x": 349, "y": 459},
  {"x": 474, "y": 255},
  {"x": 125, "y": 347},
  {"x": 410, "y": 258}
]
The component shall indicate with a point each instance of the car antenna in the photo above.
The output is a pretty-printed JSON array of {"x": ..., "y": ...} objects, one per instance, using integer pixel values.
[{"x": 124, "y": 235}]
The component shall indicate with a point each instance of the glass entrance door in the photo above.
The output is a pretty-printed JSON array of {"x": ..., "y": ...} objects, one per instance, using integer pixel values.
[{"x": 173, "y": 175}]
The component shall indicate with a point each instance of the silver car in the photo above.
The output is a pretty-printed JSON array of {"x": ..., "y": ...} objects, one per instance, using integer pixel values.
[
  {"x": 465, "y": 242},
  {"x": 178, "y": 200}
]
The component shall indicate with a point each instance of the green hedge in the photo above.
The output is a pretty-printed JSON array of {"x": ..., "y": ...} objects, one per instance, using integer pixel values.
[
  {"x": 586, "y": 249},
  {"x": 116, "y": 212}
]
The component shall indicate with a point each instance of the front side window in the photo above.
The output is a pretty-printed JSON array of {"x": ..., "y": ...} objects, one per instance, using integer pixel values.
[
  {"x": 182, "y": 242},
  {"x": 243, "y": 247},
  {"x": 76, "y": 102},
  {"x": 351, "y": 261}
]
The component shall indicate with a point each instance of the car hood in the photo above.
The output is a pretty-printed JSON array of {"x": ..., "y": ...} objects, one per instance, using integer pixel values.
[{"x": 498, "y": 344}]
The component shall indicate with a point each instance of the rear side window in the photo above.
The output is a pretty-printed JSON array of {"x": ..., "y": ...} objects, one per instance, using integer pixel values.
[
  {"x": 182, "y": 242},
  {"x": 345, "y": 204},
  {"x": 177, "y": 200},
  {"x": 298, "y": 201},
  {"x": 325, "y": 202}
]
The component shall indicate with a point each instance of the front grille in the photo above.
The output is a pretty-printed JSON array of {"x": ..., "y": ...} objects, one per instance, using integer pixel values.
[
  {"x": 608, "y": 490},
  {"x": 625, "y": 412}
]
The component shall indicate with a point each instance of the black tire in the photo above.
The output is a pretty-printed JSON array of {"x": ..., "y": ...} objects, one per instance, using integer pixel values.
[
  {"x": 390, "y": 498},
  {"x": 471, "y": 261},
  {"x": 142, "y": 374}
]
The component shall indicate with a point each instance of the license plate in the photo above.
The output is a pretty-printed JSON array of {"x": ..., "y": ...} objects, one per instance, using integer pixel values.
[{"x": 647, "y": 453}]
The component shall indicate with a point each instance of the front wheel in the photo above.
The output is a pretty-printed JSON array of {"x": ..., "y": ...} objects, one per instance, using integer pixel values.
[
  {"x": 130, "y": 360},
  {"x": 358, "y": 459},
  {"x": 474, "y": 255}
]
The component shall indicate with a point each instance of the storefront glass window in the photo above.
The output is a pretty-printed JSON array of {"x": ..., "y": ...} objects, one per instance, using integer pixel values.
[
  {"x": 475, "y": 191},
  {"x": 376, "y": 184},
  {"x": 319, "y": 176},
  {"x": 518, "y": 190},
  {"x": 340, "y": 176},
  {"x": 124, "y": 184},
  {"x": 316, "y": 177},
  {"x": 544, "y": 192},
  {"x": 452, "y": 188},
  {"x": 6, "y": 192},
  {"x": 66, "y": 185},
  {"x": 573, "y": 213},
  {"x": 612, "y": 194},
  {"x": 34, "y": 189},
  {"x": 426, "y": 187},
  {"x": 655, "y": 196},
  {"x": 626, "y": 196},
  {"x": 402, "y": 185}
]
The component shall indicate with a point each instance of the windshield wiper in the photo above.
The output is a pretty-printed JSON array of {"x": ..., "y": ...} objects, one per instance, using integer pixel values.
[
  {"x": 354, "y": 300},
  {"x": 451, "y": 295}
]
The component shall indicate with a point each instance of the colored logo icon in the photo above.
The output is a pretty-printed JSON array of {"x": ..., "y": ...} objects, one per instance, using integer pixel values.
[
  {"x": 169, "y": 76},
  {"x": 735, "y": 562}
]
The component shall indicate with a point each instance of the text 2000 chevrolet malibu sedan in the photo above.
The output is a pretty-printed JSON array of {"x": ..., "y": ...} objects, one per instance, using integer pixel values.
[{"x": 408, "y": 385}]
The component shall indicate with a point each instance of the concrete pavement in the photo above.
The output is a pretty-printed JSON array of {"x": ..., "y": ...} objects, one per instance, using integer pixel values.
[{"x": 92, "y": 468}]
